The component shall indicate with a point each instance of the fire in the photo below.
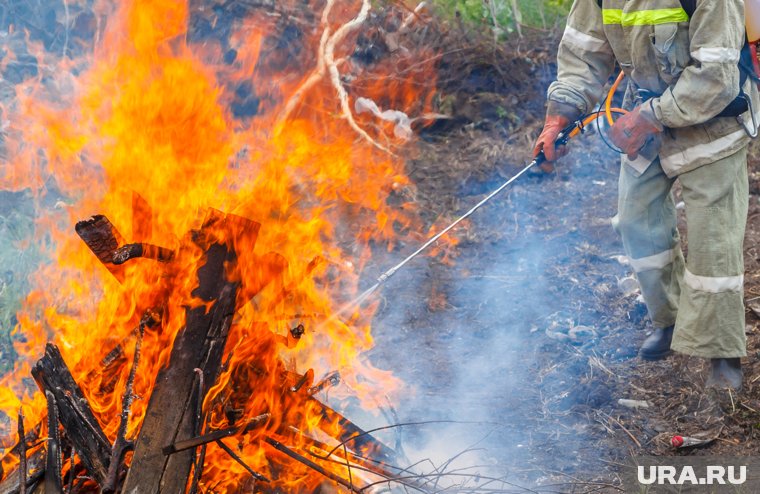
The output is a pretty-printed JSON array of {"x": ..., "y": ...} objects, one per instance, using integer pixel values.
[{"x": 152, "y": 130}]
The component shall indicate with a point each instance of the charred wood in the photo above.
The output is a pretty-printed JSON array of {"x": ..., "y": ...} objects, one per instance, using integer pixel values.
[
  {"x": 103, "y": 239},
  {"x": 171, "y": 413},
  {"x": 330, "y": 380},
  {"x": 76, "y": 417},
  {"x": 53, "y": 480},
  {"x": 214, "y": 436},
  {"x": 314, "y": 466},
  {"x": 147, "y": 251},
  {"x": 22, "y": 453},
  {"x": 200, "y": 459},
  {"x": 121, "y": 445},
  {"x": 355, "y": 437},
  {"x": 35, "y": 464}
]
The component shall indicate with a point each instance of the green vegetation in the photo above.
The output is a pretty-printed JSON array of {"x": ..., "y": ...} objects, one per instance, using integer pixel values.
[
  {"x": 18, "y": 259},
  {"x": 506, "y": 16}
]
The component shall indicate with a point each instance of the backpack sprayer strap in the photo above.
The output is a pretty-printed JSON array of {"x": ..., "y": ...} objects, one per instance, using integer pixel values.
[{"x": 736, "y": 109}]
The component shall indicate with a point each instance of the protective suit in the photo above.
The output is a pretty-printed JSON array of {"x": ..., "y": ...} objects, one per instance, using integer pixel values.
[{"x": 682, "y": 73}]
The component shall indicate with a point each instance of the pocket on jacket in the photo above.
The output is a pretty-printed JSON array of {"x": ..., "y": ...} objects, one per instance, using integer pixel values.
[{"x": 671, "y": 50}]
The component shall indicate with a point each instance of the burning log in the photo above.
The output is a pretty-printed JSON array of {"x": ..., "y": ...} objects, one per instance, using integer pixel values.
[
  {"x": 76, "y": 417},
  {"x": 171, "y": 409}
]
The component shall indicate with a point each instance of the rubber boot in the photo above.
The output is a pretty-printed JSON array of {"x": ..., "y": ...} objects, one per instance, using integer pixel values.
[
  {"x": 657, "y": 344},
  {"x": 725, "y": 373}
]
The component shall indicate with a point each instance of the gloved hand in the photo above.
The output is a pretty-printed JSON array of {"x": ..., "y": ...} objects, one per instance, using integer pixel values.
[
  {"x": 634, "y": 130},
  {"x": 558, "y": 117},
  {"x": 553, "y": 125}
]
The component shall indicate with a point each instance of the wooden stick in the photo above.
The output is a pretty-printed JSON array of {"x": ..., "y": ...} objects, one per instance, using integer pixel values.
[
  {"x": 22, "y": 453},
  {"x": 214, "y": 436},
  {"x": 256, "y": 475},
  {"x": 305, "y": 461},
  {"x": 121, "y": 445},
  {"x": 53, "y": 481}
]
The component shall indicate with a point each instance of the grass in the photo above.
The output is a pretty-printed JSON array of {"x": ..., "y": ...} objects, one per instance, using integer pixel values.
[
  {"x": 17, "y": 261},
  {"x": 541, "y": 14}
]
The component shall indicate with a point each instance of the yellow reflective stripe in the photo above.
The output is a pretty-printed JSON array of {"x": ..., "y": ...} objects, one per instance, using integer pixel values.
[
  {"x": 612, "y": 16},
  {"x": 644, "y": 17}
]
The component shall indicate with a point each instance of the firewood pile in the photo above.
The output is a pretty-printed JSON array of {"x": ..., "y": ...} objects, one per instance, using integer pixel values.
[{"x": 168, "y": 452}]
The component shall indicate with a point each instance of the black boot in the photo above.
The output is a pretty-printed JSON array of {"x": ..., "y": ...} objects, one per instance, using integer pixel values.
[
  {"x": 725, "y": 373},
  {"x": 657, "y": 345}
]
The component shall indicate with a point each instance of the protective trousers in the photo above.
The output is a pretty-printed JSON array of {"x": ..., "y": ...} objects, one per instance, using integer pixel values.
[{"x": 703, "y": 297}]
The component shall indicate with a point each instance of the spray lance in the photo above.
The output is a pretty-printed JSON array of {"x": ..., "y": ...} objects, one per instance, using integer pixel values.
[{"x": 563, "y": 138}]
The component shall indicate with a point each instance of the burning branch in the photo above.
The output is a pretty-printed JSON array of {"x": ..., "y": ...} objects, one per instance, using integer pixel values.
[
  {"x": 256, "y": 475},
  {"x": 305, "y": 461},
  {"x": 22, "y": 453},
  {"x": 148, "y": 251},
  {"x": 121, "y": 445},
  {"x": 216, "y": 435},
  {"x": 53, "y": 482}
]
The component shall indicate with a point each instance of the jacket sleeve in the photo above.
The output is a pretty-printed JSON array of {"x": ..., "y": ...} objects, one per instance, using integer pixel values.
[
  {"x": 711, "y": 81},
  {"x": 584, "y": 62}
]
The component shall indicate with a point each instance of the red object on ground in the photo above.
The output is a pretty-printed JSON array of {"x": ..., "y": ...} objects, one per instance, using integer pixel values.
[
  {"x": 677, "y": 441},
  {"x": 689, "y": 442}
]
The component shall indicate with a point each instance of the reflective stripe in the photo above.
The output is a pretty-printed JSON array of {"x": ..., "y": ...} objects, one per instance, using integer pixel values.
[
  {"x": 657, "y": 261},
  {"x": 702, "y": 151},
  {"x": 584, "y": 41},
  {"x": 711, "y": 284},
  {"x": 719, "y": 55},
  {"x": 644, "y": 17}
]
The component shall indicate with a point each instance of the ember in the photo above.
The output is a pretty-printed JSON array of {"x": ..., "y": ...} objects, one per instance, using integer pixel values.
[{"x": 202, "y": 330}]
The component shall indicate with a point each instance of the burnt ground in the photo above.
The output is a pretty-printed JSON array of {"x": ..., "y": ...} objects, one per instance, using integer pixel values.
[{"x": 535, "y": 327}]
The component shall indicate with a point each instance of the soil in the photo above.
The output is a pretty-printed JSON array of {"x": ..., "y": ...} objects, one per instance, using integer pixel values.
[{"x": 535, "y": 327}]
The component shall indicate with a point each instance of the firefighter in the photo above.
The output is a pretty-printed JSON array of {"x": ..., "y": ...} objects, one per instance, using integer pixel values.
[{"x": 684, "y": 123}]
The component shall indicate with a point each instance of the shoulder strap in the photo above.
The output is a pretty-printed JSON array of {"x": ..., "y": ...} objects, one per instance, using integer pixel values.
[{"x": 688, "y": 5}]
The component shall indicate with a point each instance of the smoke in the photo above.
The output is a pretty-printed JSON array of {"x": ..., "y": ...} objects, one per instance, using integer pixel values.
[{"x": 504, "y": 360}]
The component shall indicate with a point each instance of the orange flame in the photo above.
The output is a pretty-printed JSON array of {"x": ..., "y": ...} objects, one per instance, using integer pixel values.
[{"x": 147, "y": 134}]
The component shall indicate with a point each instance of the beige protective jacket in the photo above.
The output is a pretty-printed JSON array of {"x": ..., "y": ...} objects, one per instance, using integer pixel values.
[{"x": 691, "y": 63}]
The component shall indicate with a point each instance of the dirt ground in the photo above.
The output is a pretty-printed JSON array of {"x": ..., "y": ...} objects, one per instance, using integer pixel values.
[{"x": 536, "y": 326}]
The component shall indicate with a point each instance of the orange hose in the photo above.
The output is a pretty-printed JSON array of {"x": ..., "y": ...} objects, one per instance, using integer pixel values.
[
  {"x": 590, "y": 119},
  {"x": 608, "y": 103}
]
